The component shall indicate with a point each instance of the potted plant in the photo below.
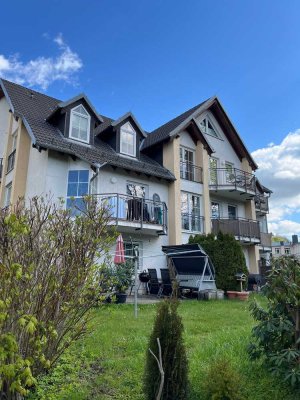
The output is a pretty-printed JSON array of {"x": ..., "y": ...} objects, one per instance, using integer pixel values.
[{"x": 123, "y": 279}]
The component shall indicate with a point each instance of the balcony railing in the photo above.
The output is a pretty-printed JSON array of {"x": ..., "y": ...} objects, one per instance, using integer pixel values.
[
  {"x": 1, "y": 167},
  {"x": 241, "y": 227},
  {"x": 266, "y": 239},
  {"x": 127, "y": 208},
  {"x": 192, "y": 223},
  {"x": 261, "y": 203},
  {"x": 235, "y": 178},
  {"x": 11, "y": 161},
  {"x": 190, "y": 172}
]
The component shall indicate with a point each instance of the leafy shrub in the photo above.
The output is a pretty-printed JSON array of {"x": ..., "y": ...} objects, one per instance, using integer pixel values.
[
  {"x": 222, "y": 381},
  {"x": 227, "y": 256},
  {"x": 49, "y": 283},
  {"x": 276, "y": 337},
  {"x": 168, "y": 328}
]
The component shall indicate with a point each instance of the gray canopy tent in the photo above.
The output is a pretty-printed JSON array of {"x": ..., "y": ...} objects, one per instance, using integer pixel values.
[{"x": 191, "y": 267}]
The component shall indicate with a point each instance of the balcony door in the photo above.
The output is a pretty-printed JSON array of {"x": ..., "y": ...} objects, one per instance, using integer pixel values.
[
  {"x": 215, "y": 210},
  {"x": 232, "y": 212},
  {"x": 190, "y": 212},
  {"x": 187, "y": 161}
]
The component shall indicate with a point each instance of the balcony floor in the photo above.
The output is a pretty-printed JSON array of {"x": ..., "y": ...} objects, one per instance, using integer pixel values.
[{"x": 231, "y": 192}]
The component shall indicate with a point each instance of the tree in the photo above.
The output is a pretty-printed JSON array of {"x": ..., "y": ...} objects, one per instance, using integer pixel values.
[
  {"x": 49, "y": 283},
  {"x": 168, "y": 328},
  {"x": 279, "y": 238},
  {"x": 276, "y": 337},
  {"x": 226, "y": 255}
]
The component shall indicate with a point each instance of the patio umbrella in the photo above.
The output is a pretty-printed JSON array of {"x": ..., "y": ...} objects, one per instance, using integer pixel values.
[{"x": 120, "y": 253}]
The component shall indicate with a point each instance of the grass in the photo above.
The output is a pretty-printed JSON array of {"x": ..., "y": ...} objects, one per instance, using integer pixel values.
[{"x": 108, "y": 363}]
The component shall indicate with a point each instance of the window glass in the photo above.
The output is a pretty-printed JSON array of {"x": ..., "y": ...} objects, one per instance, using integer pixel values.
[
  {"x": 128, "y": 140},
  {"x": 215, "y": 210},
  {"x": 129, "y": 251},
  {"x": 80, "y": 124},
  {"x": 190, "y": 212},
  {"x": 213, "y": 165},
  {"x": 78, "y": 187},
  {"x": 7, "y": 194},
  {"x": 232, "y": 214},
  {"x": 277, "y": 250},
  {"x": 208, "y": 128},
  {"x": 287, "y": 250},
  {"x": 136, "y": 190}
]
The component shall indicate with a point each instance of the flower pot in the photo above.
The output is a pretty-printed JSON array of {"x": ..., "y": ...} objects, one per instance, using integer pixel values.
[
  {"x": 231, "y": 294},
  {"x": 243, "y": 296},
  {"x": 121, "y": 298}
]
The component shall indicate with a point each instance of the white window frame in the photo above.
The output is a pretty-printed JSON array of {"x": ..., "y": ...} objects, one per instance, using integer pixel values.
[
  {"x": 130, "y": 131},
  {"x": 8, "y": 190},
  {"x": 277, "y": 250},
  {"x": 189, "y": 212},
  {"x": 219, "y": 209},
  {"x": 205, "y": 128},
  {"x": 287, "y": 250},
  {"x": 236, "y": 210},
  {"x": 88, "y": 117},
  {"x": 139, "y": 244}
]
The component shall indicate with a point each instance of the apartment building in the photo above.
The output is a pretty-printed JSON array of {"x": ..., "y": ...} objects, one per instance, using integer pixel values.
[
  {"x": 286, "y": 248},
  {"x": 191, "y": 175}
]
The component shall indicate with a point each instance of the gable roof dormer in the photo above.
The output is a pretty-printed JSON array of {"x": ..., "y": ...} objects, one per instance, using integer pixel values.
[{"x": 124, "y": 135}]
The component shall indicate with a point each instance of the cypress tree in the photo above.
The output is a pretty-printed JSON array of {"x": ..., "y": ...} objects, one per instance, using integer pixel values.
[{"x": 168, "y": 328}]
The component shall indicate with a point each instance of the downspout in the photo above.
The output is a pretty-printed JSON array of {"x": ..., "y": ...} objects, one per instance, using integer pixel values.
[{"x": 98, "y": 167}]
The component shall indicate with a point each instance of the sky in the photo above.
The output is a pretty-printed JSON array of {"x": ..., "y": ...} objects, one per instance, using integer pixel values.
[{"x": 159, "y": 58}]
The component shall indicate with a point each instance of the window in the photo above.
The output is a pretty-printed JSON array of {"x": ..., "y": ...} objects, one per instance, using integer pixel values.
[
  {"x": 137, "y": 190},
  {"x": 213, "y": 165},
  {"x": 14, "y": 141},
  {"x": 229, "y": 171},
  {"x": 277, "y": 250},
  {"x": 287, "y": 250},
  {"x": 80, "y": 124},
  {"x": 215, "y": 210},
  {"x": 7, "y": 194},
  {"x": 232, "y": 214},
  {"x": 129, "y": 252},
  {"x": 208, "y": 128},
  {"x": 78, "y": 187},
  {"x": 128, "y": 140},
  {"x": 186, "y": 164},
  {"x": 190, "y": 212}
]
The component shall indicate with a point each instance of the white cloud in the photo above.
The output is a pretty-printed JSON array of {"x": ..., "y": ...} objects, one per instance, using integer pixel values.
[
  {"x": 279, "y": 166},
  {"x": 42, "y": 71}
]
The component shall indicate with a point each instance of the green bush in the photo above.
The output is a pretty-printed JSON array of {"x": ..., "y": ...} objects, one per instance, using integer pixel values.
[
  {"x": 223, "y": 382},
  {"x": 227, "y": 256},
  {"x": 276, "y": 337},
  {"x": 168, "y": 328}
]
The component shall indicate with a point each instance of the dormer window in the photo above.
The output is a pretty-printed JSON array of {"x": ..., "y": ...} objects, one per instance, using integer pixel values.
[
  {"x": 80, "y": 124},
  {"x": 128, "y": 140},
  {"x": 208, "y": 128}
]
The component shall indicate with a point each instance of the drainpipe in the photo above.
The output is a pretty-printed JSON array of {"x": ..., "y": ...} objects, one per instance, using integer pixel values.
[{"x": 98, "y": 167}]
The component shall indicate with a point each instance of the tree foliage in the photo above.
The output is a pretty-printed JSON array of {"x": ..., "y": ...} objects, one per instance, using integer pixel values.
[
  {"x": 49, "y": 282},
  {"x": 168, "y": 328},
  {"x": 276, "y": 337},
  {"x": 226, "y": 255}
]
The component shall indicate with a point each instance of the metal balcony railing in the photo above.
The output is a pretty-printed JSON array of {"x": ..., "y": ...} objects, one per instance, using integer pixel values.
[
  {"x": 190, "y": 172},
  {"x": 124, "y": 207},
  {"x": 192, "y": 222},
  {"x": 11, "y": 161},
  {"x": 236, "y": 178},
  {"x": 261, "y": 203},
  {"x": 1, "y": 167},
  {"x": 266, "y": 239},
  {"x": 241, "y": 227}
]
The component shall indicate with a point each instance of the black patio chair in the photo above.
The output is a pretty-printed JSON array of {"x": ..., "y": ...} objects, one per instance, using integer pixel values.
[
  {"x": 153, "y": 284},
  {"x": 167, "y": 287}
]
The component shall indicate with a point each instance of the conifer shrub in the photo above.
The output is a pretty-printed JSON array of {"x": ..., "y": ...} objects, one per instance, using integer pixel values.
[
  {"x": 227, "y": 256},
  {"x": 168, "y": 328},
  {"x": 223, "y": 382}
]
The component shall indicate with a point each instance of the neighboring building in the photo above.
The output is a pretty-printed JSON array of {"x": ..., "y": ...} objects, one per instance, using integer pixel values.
[
  {"x": 286, "y": 248},
  {"x": 191, "y": 175}
]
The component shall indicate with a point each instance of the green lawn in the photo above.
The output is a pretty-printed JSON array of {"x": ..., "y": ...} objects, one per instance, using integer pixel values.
[{"x": 108, "y": 363}]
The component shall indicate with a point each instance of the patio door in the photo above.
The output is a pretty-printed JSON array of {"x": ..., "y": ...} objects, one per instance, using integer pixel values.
[{"x": 186, "y": 164}]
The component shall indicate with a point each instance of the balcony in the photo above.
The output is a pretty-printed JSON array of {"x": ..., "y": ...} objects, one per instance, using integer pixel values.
[
  {"x": 1, "y": 167},
  {"x": 244, "y": 230},
  {"x": 11, "y": 161},
  {"x": 266, "y": 240},
  {"x": 130, "y": 213},
  {"x": 235, "y": 183},
  {"x": 192, "y": 223},
  {"x": 190, "y": 172},
  {"x": 261, "y": 204}
]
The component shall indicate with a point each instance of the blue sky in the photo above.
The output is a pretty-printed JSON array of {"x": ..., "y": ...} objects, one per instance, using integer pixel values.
[{"x": 159, "y": 58}]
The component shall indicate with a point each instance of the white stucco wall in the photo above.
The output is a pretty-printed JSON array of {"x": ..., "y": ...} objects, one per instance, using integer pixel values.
[
  {"x": 224, "y": 202},
  {"x": 4, "y": 122}
]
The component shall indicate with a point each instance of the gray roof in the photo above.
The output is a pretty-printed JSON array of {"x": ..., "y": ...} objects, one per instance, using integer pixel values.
[
  {"x": 163, "y": 132},
  {"x": 34, "y": 108}
]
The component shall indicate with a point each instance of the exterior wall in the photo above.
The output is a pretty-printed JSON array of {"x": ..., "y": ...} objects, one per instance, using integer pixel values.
[
  {"x": 4, "y": 124},
  {"x": 171, "y": 160}
]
